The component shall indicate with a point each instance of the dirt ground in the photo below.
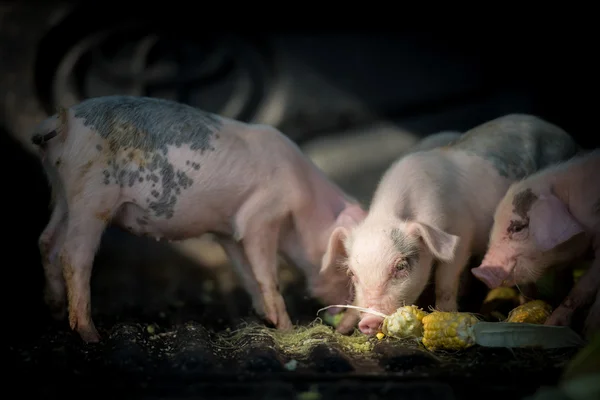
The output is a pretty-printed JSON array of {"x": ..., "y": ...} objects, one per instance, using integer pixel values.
[{"x": 165, "y": 325}]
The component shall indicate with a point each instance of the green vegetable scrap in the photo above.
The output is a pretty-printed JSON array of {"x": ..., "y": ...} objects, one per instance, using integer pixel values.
[{"x": 333, "y": 320}]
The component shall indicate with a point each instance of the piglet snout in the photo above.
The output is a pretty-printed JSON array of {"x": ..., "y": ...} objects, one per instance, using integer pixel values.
[
  {"x": 370, "y": 324},
  {"x": 492, "y": 276}
]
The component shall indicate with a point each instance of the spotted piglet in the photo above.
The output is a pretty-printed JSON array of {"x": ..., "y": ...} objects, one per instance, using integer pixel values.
[
  {"x": 167, "y": 170},
  {"x": 436, "y": 207},
  {"x": 548, "y": 221}
]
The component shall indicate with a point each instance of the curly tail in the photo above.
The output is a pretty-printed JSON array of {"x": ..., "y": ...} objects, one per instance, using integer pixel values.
[
  {"x": 39, "y": 139},
  {"x": 50, "y": 128}
]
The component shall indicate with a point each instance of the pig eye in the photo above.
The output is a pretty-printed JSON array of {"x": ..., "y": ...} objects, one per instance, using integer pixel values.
[
  {"x": 402, "y": 265},
  {"x": 349, "y": 272},
  {"x": 517, "y": 226}
]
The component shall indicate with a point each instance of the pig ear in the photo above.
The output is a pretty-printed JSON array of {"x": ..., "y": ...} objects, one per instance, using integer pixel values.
[
  {"x": 551, "y": 223},
  {"x": 350, "y": 216},
  {"x": 441, "y": 244},
  {"x": 335, "y": 248}
]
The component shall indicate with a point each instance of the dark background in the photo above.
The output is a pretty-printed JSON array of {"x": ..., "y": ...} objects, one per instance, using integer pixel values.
[{"x": 336, "y": 93}]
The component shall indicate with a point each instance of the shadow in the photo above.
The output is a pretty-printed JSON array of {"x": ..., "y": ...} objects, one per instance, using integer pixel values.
[{"x": 26, "y": 198}]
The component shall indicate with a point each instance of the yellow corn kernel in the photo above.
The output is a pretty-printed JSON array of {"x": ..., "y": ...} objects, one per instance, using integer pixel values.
[
  {"x": 501, "y": 293},
  {"x": 532, "y": 312},
  {"x": 380, "y": 335},
  {"x": 405, "y": 322},
  {"x": 448, "y": 330}
]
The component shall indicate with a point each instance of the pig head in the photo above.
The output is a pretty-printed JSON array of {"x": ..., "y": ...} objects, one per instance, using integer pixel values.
[
  {"x": 389, "y": 262},
  {"x": 532, "y": 232}
]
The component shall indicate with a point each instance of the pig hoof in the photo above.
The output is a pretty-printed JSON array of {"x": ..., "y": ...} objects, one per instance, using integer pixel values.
[
  {"x": 347, "y": 323},
  {"x": 344, "y": 330},
  {"x": 559, "y": 318},
  {"x": 285, "y": 324},
  {"x": 89, "y": 335}
]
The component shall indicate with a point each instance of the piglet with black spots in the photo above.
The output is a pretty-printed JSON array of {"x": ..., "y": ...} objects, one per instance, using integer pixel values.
[
  {"x": 550, "y": 220},
  {"x": 167, "y": 170},
  {"x": 437, "y": 206}
]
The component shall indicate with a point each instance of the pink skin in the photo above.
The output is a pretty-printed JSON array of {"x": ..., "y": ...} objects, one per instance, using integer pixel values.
[
  {"x": 293, "y": 215},
  {"x": 336, "y": 255},
  {"x": 388, "y": 273},
  {"x": 549, "y": 220},
  {"x": 424, "y": 212}
]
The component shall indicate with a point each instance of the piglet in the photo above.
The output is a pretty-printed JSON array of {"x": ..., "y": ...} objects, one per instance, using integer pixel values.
[
  {"x": 437, "y": 206},
  {"x": 167, "y": 170},
  {"x": 549, "y": 220}
]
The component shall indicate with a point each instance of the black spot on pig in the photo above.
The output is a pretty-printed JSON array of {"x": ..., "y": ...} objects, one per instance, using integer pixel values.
[
  {"x": 148, "y": 124},
  {"x": 406, "y": 245},
  {"x": 522, "y": 202},
  {"x": 513, "y": 144}
]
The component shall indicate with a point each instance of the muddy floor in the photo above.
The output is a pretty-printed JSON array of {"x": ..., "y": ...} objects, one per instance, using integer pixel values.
[{"x": 170, "y": 314}]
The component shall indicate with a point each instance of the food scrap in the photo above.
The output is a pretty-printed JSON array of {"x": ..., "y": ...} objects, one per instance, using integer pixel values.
[
  {"x": 532, "y": 312},
  {"x": 405, "y": 322},
  {"x": 333, "y": 320},
  {"x": 298, "y": 342},
  {"x": 440, "y": 330}
]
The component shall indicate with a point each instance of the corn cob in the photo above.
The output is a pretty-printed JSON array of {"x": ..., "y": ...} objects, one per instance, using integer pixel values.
[
  {"x": 455, "y": 331},
  {"x": 448, "y": 330},
  {"x": 532, "y": 312},
  {"x": 405, "y": 322}
]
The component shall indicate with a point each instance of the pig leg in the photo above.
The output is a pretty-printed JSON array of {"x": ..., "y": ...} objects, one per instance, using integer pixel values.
[
  {"x": 447, "y": 280},
  {"x": 86, "y": 223},
  {"x": 49, "y": 243},
  {"x": 582, "y": 294},
  {"x": 260, "y": 245},
  {"x": 348, "y": 321},
  {"x": 235, "y": 253}
]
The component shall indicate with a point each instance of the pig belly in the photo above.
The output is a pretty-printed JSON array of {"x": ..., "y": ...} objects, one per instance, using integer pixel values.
[{"x": 183, "y": 225}]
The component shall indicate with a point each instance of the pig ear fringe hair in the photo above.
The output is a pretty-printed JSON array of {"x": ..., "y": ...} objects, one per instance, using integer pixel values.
[{"x": 509, "y": 334}]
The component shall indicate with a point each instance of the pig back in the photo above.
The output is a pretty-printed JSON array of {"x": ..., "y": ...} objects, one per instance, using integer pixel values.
[{"x": 518, "y": 145}]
